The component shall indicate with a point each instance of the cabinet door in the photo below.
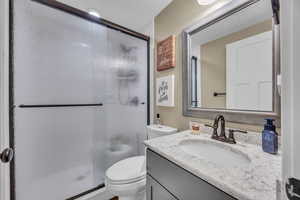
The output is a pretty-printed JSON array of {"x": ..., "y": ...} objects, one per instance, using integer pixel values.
[
  {"x": 156, "y": 192},
  {"x": 179, "y": 182}
]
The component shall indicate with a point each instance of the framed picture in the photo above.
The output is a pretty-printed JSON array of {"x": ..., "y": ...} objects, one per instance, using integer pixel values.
[
  {"x": 165, "y": 91},
  {"x": 166, "y": 54}
]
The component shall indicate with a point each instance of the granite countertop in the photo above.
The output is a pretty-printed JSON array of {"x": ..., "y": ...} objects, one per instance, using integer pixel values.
[{"x": 254, "y": 181}]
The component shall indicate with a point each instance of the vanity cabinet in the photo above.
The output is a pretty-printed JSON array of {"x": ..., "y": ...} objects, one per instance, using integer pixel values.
[
  {"x": 156, "y": 192},
  {"x": 168, "y": 181}
]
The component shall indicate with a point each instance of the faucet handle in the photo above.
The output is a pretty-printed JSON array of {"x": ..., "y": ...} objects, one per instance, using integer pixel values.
[
  {"x": 215, "y": 133},
  {"x": 231, "y": 138},
  {"x": 208, "y": 125}
]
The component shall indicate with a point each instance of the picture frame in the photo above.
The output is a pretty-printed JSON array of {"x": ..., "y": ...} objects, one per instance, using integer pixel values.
[
  {"x": 165, "y": 91},
  {"x": 166, "y": 53}
]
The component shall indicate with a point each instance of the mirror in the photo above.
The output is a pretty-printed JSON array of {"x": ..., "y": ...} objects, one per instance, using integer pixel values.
[{"x": 231, "y": 63}]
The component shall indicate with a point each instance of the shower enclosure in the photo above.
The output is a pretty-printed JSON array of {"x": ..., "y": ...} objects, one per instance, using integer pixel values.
[{"x": 79, "y": 99}]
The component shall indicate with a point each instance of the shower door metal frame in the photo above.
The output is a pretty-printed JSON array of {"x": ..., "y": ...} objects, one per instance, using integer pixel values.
[{"x": 86, "y": 16}]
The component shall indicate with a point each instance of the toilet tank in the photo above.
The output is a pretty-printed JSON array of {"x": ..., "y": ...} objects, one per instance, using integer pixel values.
[{"x": 156, "y": 130}]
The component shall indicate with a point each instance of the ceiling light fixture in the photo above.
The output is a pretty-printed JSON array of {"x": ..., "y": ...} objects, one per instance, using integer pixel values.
[
  {"x": 205, "y": 2},
  {"x": 94, "y": 13}
]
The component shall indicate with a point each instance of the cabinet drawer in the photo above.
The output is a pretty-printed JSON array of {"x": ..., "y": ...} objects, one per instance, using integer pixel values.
[{"x": 180, "y": 182}]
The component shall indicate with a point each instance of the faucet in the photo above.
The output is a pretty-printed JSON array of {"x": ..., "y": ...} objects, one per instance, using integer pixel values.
[{"x": 222, "y": 137}]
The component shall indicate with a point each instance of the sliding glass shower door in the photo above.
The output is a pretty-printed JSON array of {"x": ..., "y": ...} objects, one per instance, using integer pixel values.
[
  {"x": 80, "y": 101},
  {"x": 125, "y": 96}
]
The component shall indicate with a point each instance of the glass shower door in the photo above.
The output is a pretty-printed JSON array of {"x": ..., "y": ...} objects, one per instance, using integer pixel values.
[
  {"x": 80, "y": 101},
  {"x": 59, "y": 149},
  {"x": 125, "y": 96}
]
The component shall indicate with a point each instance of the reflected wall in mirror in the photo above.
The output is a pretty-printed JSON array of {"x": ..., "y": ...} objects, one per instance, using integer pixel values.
[{"x": 230, "y": 61}]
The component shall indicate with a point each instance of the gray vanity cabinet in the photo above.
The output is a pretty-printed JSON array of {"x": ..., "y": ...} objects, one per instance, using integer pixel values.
[
  {"x": 156, "y": 192},
  {"x": 168, "y": 181}
]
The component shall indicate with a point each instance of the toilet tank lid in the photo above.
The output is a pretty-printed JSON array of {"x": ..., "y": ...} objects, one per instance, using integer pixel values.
[
  {"x": 162, "y": 129},
  {"x": 128, "y": 169}
]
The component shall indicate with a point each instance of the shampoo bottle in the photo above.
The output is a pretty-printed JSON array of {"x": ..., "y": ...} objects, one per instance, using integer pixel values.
[{"x": 270, "y": 137}]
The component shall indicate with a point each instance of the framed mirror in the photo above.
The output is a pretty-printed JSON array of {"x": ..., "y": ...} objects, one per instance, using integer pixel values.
[{"x": 231, "y": 63}]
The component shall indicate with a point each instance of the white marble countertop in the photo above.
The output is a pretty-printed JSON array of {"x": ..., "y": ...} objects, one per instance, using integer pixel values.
[{"x": 256, "y": 181}]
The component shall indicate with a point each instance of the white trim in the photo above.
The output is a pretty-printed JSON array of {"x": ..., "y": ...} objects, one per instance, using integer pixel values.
[
  {"x": 4, "y": 92},
  {"x": 290, "y": 63}
]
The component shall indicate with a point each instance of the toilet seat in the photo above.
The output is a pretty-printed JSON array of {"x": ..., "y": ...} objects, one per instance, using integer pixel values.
[{"x": 127, "y": 171}]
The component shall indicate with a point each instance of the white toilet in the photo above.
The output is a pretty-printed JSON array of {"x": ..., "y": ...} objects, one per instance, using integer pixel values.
[{"x": 127, "y": 178}]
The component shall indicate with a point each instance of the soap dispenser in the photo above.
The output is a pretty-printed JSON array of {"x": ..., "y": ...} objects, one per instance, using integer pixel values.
[
  {"x": 158, "y": 120},
  {"x": 270, "y": 137}
]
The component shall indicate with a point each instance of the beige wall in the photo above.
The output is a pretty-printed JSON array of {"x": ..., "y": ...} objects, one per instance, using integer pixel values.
[
  {"x": 213, "y": 64},
  {"x": 171, "y": 21}
]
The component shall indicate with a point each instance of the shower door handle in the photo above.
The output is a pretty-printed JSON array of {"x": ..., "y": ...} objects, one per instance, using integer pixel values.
[{"x": 7, "y": 155}]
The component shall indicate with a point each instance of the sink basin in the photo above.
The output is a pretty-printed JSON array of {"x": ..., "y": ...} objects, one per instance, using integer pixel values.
[{"x": 215, "y": 152}]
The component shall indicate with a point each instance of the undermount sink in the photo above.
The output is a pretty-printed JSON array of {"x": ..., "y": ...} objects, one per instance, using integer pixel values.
[{"x": 215, "y": 152}]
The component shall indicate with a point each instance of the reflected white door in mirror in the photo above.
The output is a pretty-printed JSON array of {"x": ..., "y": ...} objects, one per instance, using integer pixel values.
[{"x": 249, "y": 73}]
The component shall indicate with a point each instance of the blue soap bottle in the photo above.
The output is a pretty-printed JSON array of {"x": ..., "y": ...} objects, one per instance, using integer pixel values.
[{"x": 270, "y": 137}]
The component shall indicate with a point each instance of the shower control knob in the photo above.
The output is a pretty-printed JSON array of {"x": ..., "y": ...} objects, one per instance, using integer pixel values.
[{"x": 7, "y": 155}]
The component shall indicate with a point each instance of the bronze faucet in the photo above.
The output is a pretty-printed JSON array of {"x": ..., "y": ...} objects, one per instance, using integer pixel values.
[
  {"x": 222, "y": 137},
  {"x": 215, "y": 127}
]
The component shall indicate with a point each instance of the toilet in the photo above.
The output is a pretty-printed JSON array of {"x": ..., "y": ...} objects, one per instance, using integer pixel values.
[{"x": 127, "y": 178}]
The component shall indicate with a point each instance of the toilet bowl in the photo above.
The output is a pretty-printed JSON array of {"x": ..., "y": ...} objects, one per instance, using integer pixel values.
[{"x": 127, "y": 178}]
